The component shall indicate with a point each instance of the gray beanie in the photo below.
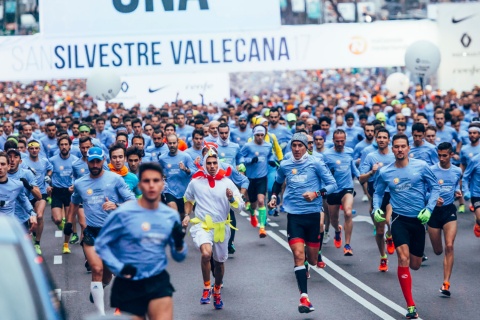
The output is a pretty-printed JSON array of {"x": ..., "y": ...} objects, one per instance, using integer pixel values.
[{"x": 301, "y": 137}]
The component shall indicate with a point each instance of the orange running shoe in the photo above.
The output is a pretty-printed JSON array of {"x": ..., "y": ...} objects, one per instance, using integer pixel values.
[
  {"x": 253, "y": 221},
  {"x": 117, "y": 312},
  {"x": 262, "y": 233},
  {"x": 337, "y": 239},
  {"x": 445, "y": 290},
  {"x": 390, "y": 245},
  {"x": 476, "y": 230},
  {"x": 383, "y": 267}
]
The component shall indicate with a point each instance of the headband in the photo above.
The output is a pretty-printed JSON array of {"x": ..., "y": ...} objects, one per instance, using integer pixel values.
[
  {"x": 33, "y": 144},
  {"x": 474, "y": 129},
  {"x": 320, "y": 133},
  {"x": 259, "y": 129},
  {"x": 84, "y": 128}
]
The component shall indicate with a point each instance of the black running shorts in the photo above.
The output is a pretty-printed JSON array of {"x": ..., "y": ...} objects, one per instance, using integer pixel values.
[
  {"x": 386, "y": 196},
  {"x": 133, "y": 296},
  {"x": 475, "y": 201},
  {"x": 61, "y": 197},
  {"x": 442, "y": 215},
  {"x": 89, "y": 235},
  {"x": 336, "y": 198},
  {"x": 257, "y": 186},
  {"x": 33, "y": 201},
  {"x": 409, "y": 231},
  {"x": 304, "y": 228},
  {"x": 178, "y": 201}
]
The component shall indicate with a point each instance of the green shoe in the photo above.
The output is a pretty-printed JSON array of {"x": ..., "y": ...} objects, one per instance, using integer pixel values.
[
  {"x": 37, "y": 249},
  {"x": 411, "y": 313},
  {"x": 75, "y": 239},
  {"x": 61, "y": 225},
  {"x": 461, "y": 208},
  {"x": 49, "y": 200}
]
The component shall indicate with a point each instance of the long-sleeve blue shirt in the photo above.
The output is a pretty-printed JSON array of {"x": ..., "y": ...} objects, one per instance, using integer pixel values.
[
  {"x": 240, "y": 137},
  {"x": 157, "y": 152},
  {"x": 468, "y": 152},
  {"x": 138, "y": 236},
  {"x": 471, "y": 177},
  {"x": 230, "y": 153},
  {"x": 357, "y": 151},
  {"x": 448, "y": 180},
  {"x": 62, "y": 176},
  {"x": 177, "y": 179},
  {"x": 374, "y": 158},
  {"x": 412, "y": 188},
  {"x": 12, "y": 193},
  {"x": 236, "y": 177},
  {"x": 354, "y": 136},
  {"x": 309, "y": 175},
  {"x": 264, "y": 154},
  {"x": 426, "y": 152},
  {"x": 40, "y": 169},
  {"x": 343, "y": 167}
]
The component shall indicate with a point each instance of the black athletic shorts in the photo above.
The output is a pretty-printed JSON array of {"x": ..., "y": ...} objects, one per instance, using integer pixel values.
[
  {"x": 409, "y": 231},
  {"x": 60, "y": 197},
  {"x": 179, "y": 202},
  {"x": 442, "y": 215},
  {"x": 133, "y": 296},
  {"x": 33, "y": 201},
  {"x": 304, "y": 228},
  {"x": 475, "y": 201},
  {"x": 89, "y": 235},
  {"x": 386, "y": 195},
  {"x": 336, "y": 198},
  {"x": 257, "y": 186}
]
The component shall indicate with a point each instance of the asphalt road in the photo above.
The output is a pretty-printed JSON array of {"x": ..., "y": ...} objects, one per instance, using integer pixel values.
[{"x": 259, "y": 281}]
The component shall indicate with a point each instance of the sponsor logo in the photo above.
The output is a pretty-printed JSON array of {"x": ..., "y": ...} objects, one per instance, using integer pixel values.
[
  {"x": 256, "y": 153},
  {"x": 440, "y": 181},
  {"x": 169, "y": 165},
  {"x": 380, "y": 164},
  {"x": 61, "y": 168},
  {"x": 411, "y": 155},
  {"x": 146, "y": 226},
  {"x": 465, "y": 40},
  {"x": 89, "y": 192},
  {"x": 404, "y": 276},
  {"x": 396, "y": 180},
  {"x": 338, "y": 162},
  {"x": 294, "y": 171},
  {"x": 222, "y": 154},
  {"x": 123, "y": 6},
  {"x": 470, "y": 155},
  {"x": 82, "y": 170},
  {"x": 358, "y": 45},
  {"x": 462, "y": 19},
  {"x": 155, "y": 90}
]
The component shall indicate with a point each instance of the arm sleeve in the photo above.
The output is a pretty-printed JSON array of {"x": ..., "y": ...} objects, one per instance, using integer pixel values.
[
  {"x": 76, "y": 197},
  {"x": 433, "y": 156},
  {"x": 110, "y": 232},
  {"x": 325, "y": 177},
  {"x": 433, "y": 187},
  {"x": 467, "y": 176},
  {"x": 276, "y": 147},
  {"x": 380, "y": 187},
  {"x": 191, "y": 165},
  {"x": 280, "y": 175},
  {"x": 178, "y": 256},
  {"x": 365, "y": 165},
  {"x": 123, "y": 190},
  {"x": 245, "y": 155},
  {"x": 24, "y": 202},
  {"x": 355, "y": 171},
  {"x": 239, "y": 179}
]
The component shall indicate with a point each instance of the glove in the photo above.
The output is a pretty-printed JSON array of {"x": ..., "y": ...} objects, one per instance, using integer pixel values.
[
  {"x": 128, "y": 270},
  {"x": 255, "y": 159},
  {"x": 242, "y": 168},
  {"x": 68, "y": 229},
  {"x": 424, "y": 215},
  {"x": 178, "y": 233},
  {"x": 378, "y": 215},
  {"x": 48, "y": 179},
  {"x": 26, "y": 184},
  {"x": 273, "y": 163},
  {"x": 467, "y": 196},
  {"x": 323, "y": 192}
]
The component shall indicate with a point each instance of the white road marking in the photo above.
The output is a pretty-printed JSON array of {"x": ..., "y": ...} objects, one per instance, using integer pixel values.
[
  {"x": 284, "y": 232},
  {"x": 57, "y": 259},
  {"x": 244, "y": 214},
  {"x": 363, "y": 219},
  {"x": 58, "y": 234},
  {"x": 58, "y": 292},
  {"x": 273, "y": 224},
  {"x": 337, "y": 283}
]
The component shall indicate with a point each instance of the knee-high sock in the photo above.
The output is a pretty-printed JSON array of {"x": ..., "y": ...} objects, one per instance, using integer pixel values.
[
  {"x": 251, "y": 210},
  {"x": 301, "y": 275},
  {"x": 262, "y": 216},
  {"x": 232, "y": 231},
  {"x": 405, "y": 280},
  {"x": 96, "y": 288}
]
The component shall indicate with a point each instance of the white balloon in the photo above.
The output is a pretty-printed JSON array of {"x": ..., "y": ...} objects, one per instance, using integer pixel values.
[
  {"x": 422, "y": 58},
  {"x": 397, "y": 82},
  {"x": 104, "y": 85}
]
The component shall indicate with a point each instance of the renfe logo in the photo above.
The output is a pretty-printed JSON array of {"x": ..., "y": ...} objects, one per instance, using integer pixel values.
[{"x": 167, "y": 5}]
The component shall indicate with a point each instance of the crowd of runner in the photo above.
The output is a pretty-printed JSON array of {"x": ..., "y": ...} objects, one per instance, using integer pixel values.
[{"x": 415, "y": 155}]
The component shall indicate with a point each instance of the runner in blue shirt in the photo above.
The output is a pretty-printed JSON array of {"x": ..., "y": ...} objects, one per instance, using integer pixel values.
[
  {"x": 49, "y": 142},
  {"x": 159, "y": 147},
  {"x": 444, "y": 134},
  {"x": 471, "y": 189},
  {"x": 307, "y": 181},
  {"x": 229, "y": 152},
  {"x": 241, "y": 134},
  {"x": 470, "y": 150},
  {"x": 340, "y": 162},
  {"x": 142, "y": 285},
  {"x": 421, "y": 149},
  {"x": 139, "y": 143},
  {"x": 183, "y": 130},
  {"x": 354, "y": 133},
  {"x": 444, "y": 216},
  {"x": 282, "y": 133},
  {"x": 195, "y": 151},
  {"x": 100, "y": 192},
  {"x": 137, "y": 131},
  {"x": 408, "y": 180}
]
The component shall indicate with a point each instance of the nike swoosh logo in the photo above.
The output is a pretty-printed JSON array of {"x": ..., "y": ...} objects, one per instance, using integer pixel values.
[
  {"x": 155, "y": 90},
  {"x": 463, "y": 19}
]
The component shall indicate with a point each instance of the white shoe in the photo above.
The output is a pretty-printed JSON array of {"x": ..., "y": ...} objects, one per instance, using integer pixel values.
[
  {"x": 364, "y": 198},
  {"x": 326, "y": 238}
]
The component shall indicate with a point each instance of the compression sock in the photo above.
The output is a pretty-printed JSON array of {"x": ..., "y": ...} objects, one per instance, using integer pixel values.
[
  {"x": 301, "y": 275},
  {"x": 251, "y": 210},
  {"x": 96, "y": 288},
  {"x": 216, "y": 289},
  {"x": 321, "y": 240},
  {"x": 405, "y": 280},
  {"x": 262, "y": 216},
  {"x": 207, "y": 284}
]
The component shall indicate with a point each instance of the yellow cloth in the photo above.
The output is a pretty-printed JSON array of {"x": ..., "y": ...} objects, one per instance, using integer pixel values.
[{"x": 217, "y": 227}]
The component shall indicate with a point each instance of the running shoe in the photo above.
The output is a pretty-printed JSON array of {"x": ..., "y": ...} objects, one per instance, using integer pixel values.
[
  {"x": 411, "y": 313},
  {"x": 472, "y": 208},
  {"x": 247, "y": 206},
  {"x": 117, "y": 312},
  {"x": 326, "y": 237},
  {"x": 282, "y": 209},
  {"x": 231, "y": 249},
  {"x": 424, "y": 258},
  {"x": 66, "y": 249},
  {"x": 262, "y": 233},
  {"x": 347, "y": 251},
  {"x": 308, "y": 270},
  {"x": 445, "y": 289},
  {"x": 253, "y": 221},
  {"x": 374, "y": 231},
  {"x": 337, "y": 240},
  {"x": 275, "y": 213},
  {"x": 205, "y": 299},
  {"x": 390, "y": 245},
  {"x": 383, "y": 267},
  {"x": 61, "y": 225},
  {"x": 75, "y": 239},
  {"x": 476, "y": 230},
  {"x": 364, "y": 198},
  {"x": 90, "y": 297},
  {"x": 320, "y": 263},
  {"x": 461, "y": 208},
  {"x": 87, "y": 266},
  {"x": 34, "y": 237},
  {"x": 217, "y": 301},
  {"x": 305, "y": 305},
  {"x": 37, "y": 249}
]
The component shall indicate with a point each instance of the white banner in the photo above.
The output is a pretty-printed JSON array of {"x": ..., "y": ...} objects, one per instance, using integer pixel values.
[
  {"x": 83, "y": 18},
  {"x": 376, "y": 44},
  {"x": 458, "y": 26},
  {"x": 158, "y": 89}
]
